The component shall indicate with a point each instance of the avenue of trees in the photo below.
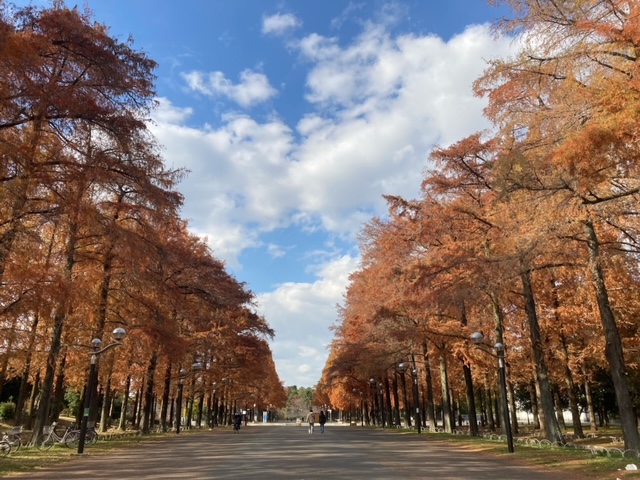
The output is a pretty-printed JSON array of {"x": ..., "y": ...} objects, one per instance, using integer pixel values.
[
  {"x": 528, "y": 233},
  {"x": 91, "y": 239}
]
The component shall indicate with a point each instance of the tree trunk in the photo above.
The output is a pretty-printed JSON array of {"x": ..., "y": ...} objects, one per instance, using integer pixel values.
[
  {"x": 541, "y": 412},
  {"x": 430, "y": 417},
  {"x": 389, "y": 411},
  {"x": 42, "y": 416},
  {"x": 200, "y": 411},
  {"x": 498, "y": 321},
  {"x": 489, "y": 406},
  {"x": 32, "y": 401},
  {"x": 106, "y": 403},
  {"x": 59, "y": 390},
  {"x": 559, "y": 409},
  {"x": 430, "y": 407},
  {"x": 568, "y": 377},
  {"x": 405, "y": 400},
  {"x": 471, "y": 402},
  {"x": 125, "y": 404},
  {"x": 515, "y": 429},
  {"x": 446, "y": 400},
  {"x": 593, "y": 427},
  {"x": 9, "y": 339},
  {"x": 613, "y": 347},
  {"x": 533, "y": 393},
  {"x": 59, "y": 317},
  {"x": 165, "y": 398},
  {"x": 483, "y": 408},
  {"x": 468, "y": 382},
  {"x": 551, "y": 427},
  {"x": 571, "y": 389},
  {"x": 396, "y": 400},
  {"x": 148, "y": 396},
  {"x": 24, "y": 381}
]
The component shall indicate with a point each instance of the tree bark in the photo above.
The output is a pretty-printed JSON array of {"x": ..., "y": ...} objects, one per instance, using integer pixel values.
[
  {"x": 396, "y": 400},
  {"x": 515, "y": 429},
  {"x": 165, "y": 398},
  {"x": 125, "y": 404},
  {"x": 446, "y": 400},
  {"x": 430, "y": 407},
  {"x": 571, "y": 389},
  {"x": 550, "y": 422},
  {"x": 471, "y": 402},
  {"x": 389, "y": 411},
  {"x": 593, "y": 427},
  {"x": 559, "y": 410},
  {"x": 42, "y": 415},
  {"x": 533, "y": 393},
  {"x": 148, "y": 396},
  {"x": 489, "y": 405},
  {"x": 613, "y": 347}
]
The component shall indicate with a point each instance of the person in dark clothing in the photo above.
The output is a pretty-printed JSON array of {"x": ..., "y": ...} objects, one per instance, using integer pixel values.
[
  {"x": 237, "y": 422},
  {"x": 322, "y": 420}
]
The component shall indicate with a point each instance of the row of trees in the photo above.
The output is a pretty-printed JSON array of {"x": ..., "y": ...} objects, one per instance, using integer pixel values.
[
  {"x": 528, "y": 233},
  {"x": 91, "y": 236}
]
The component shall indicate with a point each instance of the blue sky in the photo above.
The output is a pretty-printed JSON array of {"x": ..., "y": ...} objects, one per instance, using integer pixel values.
[{"x": 294, "y": 118}]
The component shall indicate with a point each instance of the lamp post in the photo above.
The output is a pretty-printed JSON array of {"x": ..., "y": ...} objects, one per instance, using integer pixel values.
[
  {"x": 477, "y": 338},
  {"x": 96, "y": 344},
  {"x": 403, "y": 367},
  {"x": 213, "y": 412},
  {"x": 373, "y": 385},
  {"x": 416, "y": 399},
  {"x": 383, "y": 418},
  {"x": 183, "y": 374}
]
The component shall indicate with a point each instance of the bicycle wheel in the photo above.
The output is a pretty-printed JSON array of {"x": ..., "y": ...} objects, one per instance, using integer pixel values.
[
  {"x": 72, "y": 438},
  {"x": 92, "y": 436},
  {"x": 45, "y": 441},
  {"x": 15, "y": 441},
  {"x": 5, "y": 448}
]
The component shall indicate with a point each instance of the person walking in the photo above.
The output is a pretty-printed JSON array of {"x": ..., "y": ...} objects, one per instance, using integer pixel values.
[
  {"x": 322, "y": 420},
  {"x": 311, "y": 418}
]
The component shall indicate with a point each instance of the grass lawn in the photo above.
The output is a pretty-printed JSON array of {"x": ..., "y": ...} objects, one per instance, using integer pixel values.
[{"x": 576, "y": 463}]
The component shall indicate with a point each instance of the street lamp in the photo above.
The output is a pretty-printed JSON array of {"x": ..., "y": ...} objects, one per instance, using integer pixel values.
[
  {"x": 416, "y": 399},
  {"x": 477, "y": 338},
  {"x": 182, "y": 375},
  {"x": 373, "y": 385},
  {"x": 96, "y": 344}
]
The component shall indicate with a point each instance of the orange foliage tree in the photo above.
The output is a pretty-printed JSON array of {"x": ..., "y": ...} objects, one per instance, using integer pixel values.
[{"x": 91, "y": 238}]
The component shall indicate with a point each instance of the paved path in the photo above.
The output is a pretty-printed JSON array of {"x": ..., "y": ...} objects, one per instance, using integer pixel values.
[{"x": 289, "y": 452}]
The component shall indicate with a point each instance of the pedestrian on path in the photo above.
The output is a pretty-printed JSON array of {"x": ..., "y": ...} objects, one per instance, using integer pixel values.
[
  {"x": 311, "y": 418},
  {"x": 322, "y": 419}
]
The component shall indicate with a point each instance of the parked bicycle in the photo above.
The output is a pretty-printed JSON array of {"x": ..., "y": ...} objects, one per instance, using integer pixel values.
[
  {"x": 13, "y": 437},
  {"x": 92, "y": 433},
  {"x": 50, "y": 437},
  {"x": 5, "y": 448}
]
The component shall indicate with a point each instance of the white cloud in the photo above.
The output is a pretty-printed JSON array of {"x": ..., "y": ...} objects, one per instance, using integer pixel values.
[
  {"x": 301, "y": 314},
  {"x": 276, "y": 251},
  {"x": 376, "y": 108},
  {"x": 252, "y": 89},
  {"x": 279, "y": 24}
]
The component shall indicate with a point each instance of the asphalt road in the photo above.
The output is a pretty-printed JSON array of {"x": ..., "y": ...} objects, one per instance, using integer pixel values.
[{"x": 289, "y": 452}]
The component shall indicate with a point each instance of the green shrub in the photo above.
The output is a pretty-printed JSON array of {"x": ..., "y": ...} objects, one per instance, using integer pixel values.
[
  {"x": 7, "y": 410},
  {"x": 73, "y": 401}
]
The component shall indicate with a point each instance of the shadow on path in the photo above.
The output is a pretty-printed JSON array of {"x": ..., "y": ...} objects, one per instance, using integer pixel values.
[{"x": 288, "y": 452}]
